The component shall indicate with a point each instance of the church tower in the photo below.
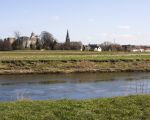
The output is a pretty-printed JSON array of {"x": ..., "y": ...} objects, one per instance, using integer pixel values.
[{"x": 67, "y": 37}]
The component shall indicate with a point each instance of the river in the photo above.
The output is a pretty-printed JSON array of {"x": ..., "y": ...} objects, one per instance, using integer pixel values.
[{"x": 72, "y": 86}]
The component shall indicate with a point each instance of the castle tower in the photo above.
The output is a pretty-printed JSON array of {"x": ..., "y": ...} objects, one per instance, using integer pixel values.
[
  {"x": 33, "y": 39},
  {"x": 32, "y": 35},
  {"x": 67, "y": 37}
]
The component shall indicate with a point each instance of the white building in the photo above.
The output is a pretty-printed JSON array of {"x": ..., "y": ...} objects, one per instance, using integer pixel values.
[
  {"x": 98, "y": 49},
  {"x": 137, "y": 50}
]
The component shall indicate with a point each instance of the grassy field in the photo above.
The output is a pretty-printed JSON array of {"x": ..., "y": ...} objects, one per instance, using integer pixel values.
[
  {"x": 118, "y": 108},
  {"x": 28, "y": 62},
  {"x": 72, "y": 55}
]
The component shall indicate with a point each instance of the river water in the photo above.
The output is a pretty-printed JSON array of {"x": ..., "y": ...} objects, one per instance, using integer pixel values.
[{"x": 72, "y": 86}]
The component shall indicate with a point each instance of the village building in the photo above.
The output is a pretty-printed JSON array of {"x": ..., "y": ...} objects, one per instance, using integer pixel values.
[
  {"x": 92, "y": 47},
  {"x": 133, "y": 48},
  {"x": 127, "y": 47},
  {"x": 11, "y": 40},
  {"x": 147, "y": 49},
  {"x": 137, "y": 49}
]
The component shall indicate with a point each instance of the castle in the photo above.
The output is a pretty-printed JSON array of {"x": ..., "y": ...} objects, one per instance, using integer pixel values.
[{"x": 24, "y": 41}]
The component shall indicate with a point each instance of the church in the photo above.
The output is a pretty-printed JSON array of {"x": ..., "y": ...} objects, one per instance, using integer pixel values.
[
  {"x": 71, "y": 45},
  {"x": 67, "y": 38}
]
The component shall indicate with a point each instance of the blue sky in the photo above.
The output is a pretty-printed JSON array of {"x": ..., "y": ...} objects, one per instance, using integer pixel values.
[{"x": 89, "y": 21}]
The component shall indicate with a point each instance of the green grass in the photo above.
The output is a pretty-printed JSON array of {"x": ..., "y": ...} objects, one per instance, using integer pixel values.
[
  {"x": 71, "y": 55},
  {"x": 118, "y": 108}
]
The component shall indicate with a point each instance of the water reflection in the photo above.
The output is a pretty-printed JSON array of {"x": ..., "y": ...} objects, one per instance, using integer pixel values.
[
  {"x": 73, "y": 86},
  {"x": 138, "y": 86}
]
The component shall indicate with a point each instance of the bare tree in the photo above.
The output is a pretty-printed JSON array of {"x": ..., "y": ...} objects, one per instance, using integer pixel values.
[
  {"x": 48, "y": 41},
  {"x": 6, "y": 45},
  {"x": 1, "y": 44},
  {"x": 115, "y": 47},
  {"x": 75, "y": 45},
  {"x": 106, "y": 46},
  {"x": 17, "y": 34},
  {"x": 38, "y": 44}
]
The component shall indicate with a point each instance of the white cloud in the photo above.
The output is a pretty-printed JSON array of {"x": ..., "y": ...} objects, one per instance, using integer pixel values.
[
  {"x": 55, "y": 18},
  {"x": 124, "y": 38},
  {"x": 103, "y": 34},
  {"x": 89, "y": 37},
  {"x": 91, "y": 20},
  {"x": 127, "y": 36},
  {"x": 124, "y": 27}
]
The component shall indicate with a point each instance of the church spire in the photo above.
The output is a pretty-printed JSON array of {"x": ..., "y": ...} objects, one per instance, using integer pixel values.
[{"x": 67, "y": 37}]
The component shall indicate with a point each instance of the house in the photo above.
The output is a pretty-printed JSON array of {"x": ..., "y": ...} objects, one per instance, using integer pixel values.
[
  {"x": 11, "y": 40},
  {"x": 92, "y": 47},
  {"x": 137, "y": 50},
  {"x": 133, "y": 48},
  {"x": 127, "y": 47},
  {"x": 147, "y": 49},
  {"x": 98, "y": 49}
]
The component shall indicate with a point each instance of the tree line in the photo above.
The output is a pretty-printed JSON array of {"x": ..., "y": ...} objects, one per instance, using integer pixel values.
[
  {"x": 47, "y": 41},
  {"x": 36, "y": 42}
]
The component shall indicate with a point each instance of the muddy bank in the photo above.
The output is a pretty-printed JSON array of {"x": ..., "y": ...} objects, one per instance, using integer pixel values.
[{"x": 72, "y": 66}]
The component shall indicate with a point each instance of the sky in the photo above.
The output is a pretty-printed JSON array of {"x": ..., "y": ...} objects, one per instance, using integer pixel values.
[{"x": 89, "y": 21}]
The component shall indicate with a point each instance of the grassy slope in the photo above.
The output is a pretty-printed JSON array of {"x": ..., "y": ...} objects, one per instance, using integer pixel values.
[
  {"x": 17, "y": 62},
  {"x": 118, "y": 108}
]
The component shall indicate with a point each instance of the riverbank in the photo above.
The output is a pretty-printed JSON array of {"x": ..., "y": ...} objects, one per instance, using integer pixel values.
[
  {"x": 118, "y": 108},
  {"x": 72, "y": 62},
  {"x": 72, "y": 66}
]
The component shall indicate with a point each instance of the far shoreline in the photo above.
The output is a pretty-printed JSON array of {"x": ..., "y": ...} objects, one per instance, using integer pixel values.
[{"x": 71, "y": 72}]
